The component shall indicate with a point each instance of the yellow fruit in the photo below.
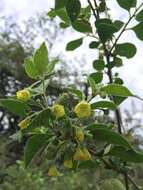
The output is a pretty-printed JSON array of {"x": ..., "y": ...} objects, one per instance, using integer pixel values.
[
  {"x": 23, "y": 95},
  {"x": 58, "y": 110},
  {"x": 68, "y": 163},
  {"x": 83, "y": 109},
  {"x": 24, "y": 124},
  {"x": 78, "y": 155},
  {"x": 87, "y": 155},
  {"x": 79, "y": 135},
  {"x": 82, "y": 154},
  {"x": 53, "y": 172}
]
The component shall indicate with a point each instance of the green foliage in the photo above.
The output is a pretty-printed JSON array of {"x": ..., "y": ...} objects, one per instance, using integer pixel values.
[
  {"x": 15, "y": 106},
  {"x": 128, "y": 4},
  {"x": 138, "y": 30},
  {"x": 33, "y": 146},
  {"x": 51, "y": 129},
  {"x": 127, "y": 50},
  {"x": 73, "y": 9},
  {"x": 139, "y": 16},
  {"x": 74, "y": 44}
]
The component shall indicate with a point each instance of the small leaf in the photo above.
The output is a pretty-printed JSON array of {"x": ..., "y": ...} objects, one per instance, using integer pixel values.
[
  {"x": 30, "y": 68},
  {"x": 118, "y": 24},
  {"x": 97, "y": 77},
  {"x": 127, "y": 4},
  {"x": 127, "y": 155},
  {"x": 103, "y": 105},
  {"x": 73, "y": 9},
  {"x": 15, "y": 106},
  {"x": 41, "y": 59},
  {"x": 139, "y": 16},
  {"x": 105, "y": 29},
  {"x": 98, "y": 64},
  {"x": 94, "y": 45},
  {"x": 76, "y": 92},
  {"x": 82, "y": 26},
  {"x": 110, "y": 137},
  {"x": 62, "y": 14},
  {"x": 138, "y": 30},
  {"x": 74, "y": 44},
  {"x": 33, "y": 146},
  {"x": 51, "y": 66},
  {"x": 117, "y": 90},
  {"x": 127, "y": 50}
]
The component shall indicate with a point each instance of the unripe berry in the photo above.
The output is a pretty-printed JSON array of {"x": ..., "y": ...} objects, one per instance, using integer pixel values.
[
  {"x": 23, "y": 95},
  {"x": 79, "y": 135},
  {"x": 24, "y": 124},
  {"x": 68, "y": 163},
  {"x": 58, "y": 110},
  {"x": 53, "y": 172},
  {"x": 83, "y": 109}
]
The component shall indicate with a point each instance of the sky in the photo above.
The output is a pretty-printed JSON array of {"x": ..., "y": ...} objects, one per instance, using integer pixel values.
[{"x": 132, "y": 72}]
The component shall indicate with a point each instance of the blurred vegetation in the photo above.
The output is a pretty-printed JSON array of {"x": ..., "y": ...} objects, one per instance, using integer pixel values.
[{"x": 15, "y": 45}]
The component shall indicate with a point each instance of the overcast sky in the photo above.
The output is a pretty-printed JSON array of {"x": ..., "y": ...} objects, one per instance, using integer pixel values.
[{"x": 132, "y": 71}]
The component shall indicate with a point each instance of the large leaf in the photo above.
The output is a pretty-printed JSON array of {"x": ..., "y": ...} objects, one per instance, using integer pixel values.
[
  {"x": 30, "y": 68},
  {"x": 117, "y": 90},
  {"x": 73, "y": 9},
  {"x": 82, "y": 26},
  {"x": 103, "y": 105},
  {"x": 74, "y": 44},
  {"x": 42, "y": 119},
  {"x": 127, "y": 50},
  {"x": 33, "y": 146},
  {"x": 138, "y": 30},
  {"x": 15, "y": 106},
  {"x": 110, "y": 137},
  {"x": 139, "y": 16},
  {"x": 41, "y": 59},
  {"x": 127, "y": 155},
  {"x": 105, "y": 29},
  {"x": 127, "y": 4}
]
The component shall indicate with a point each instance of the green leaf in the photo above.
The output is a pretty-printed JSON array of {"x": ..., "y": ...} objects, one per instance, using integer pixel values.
[
  {"x": 41, "y": 59},
  {"x": 74, "y": 44},
  {"x": 82, "y": 26},
  {"x": 94, "y": 45},
  {"x": 42, "y": 118},
  {"x": 30, "y": 68},
  {"x": 127, "y": 4},
  {"x": 73, "y": 9},
  {"x": 60, "y": 4},
  {"x": 117, "y": 90},
  {"x": 110, "y": 137},
  {"x": 127, "y": 155},
  {"x": 104, "y": 105},
  {"x": 33, "y": 146},
  {"x": 62, "y": 14},
  {"x": 97, "y": 77},
  {"x": 127, "y": 50},
  {"x": 85, "y": 13},
  {"x": 52, "y": 13},
  {"x": 76, "y": 92},
  {"x": 118, "y": 24},
  {"x": 138, "y": 30},
  {"x": 139, "y": 16},
  {"x": 51, "y": 66},
  {"x": 15, "y": 106},
  {"x": 98, "y": 64},
  {"x": 105, "y": 29}
]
